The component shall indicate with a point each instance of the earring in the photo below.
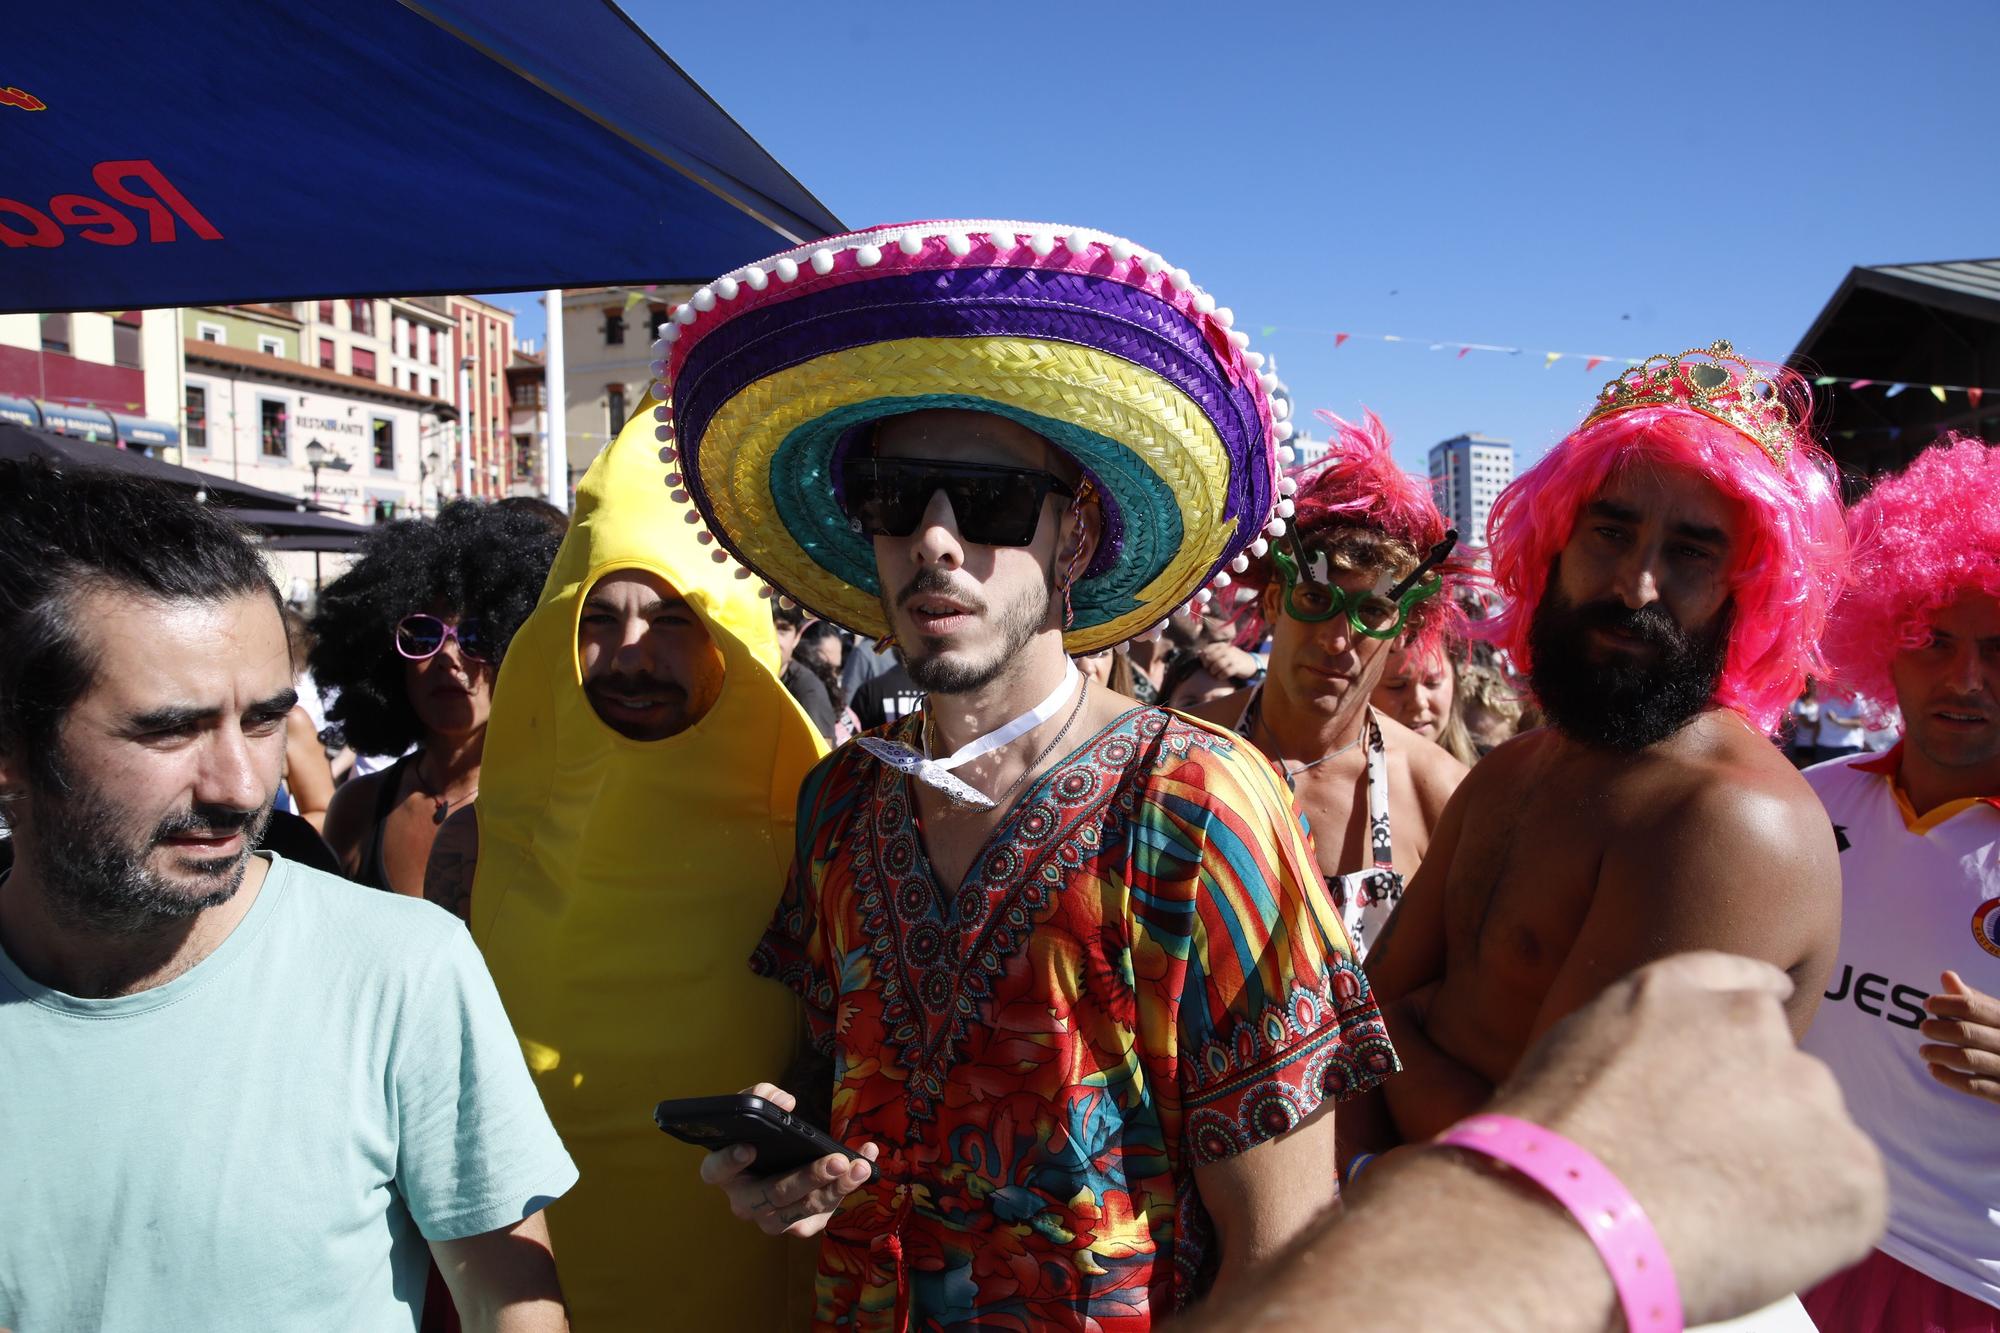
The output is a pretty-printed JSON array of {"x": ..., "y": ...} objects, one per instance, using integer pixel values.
[{"x": 1083, "y": 492}]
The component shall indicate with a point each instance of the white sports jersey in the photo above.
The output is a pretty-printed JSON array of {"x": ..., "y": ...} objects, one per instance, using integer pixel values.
[{"x": 1918, "y": 897}]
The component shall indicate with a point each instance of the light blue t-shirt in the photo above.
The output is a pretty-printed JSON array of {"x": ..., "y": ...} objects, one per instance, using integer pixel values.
[{"x": 267, "y": 1141}]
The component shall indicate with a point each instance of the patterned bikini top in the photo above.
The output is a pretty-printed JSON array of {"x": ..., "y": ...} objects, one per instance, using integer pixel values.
[{"x": 1367, "y": 896}]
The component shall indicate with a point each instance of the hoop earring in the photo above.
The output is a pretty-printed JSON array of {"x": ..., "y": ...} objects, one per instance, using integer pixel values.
[{"x": 1083, "y": 493}]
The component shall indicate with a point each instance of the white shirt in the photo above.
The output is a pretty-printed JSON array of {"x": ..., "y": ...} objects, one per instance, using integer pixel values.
[{"x": 1918, "y": 897}]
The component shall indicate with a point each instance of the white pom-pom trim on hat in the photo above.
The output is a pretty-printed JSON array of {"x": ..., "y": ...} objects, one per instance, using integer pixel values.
[
  {"x": 788, "y": 269},
  {"x": 692, "y": 516},
  {"x": 684, "y": 314},
  {"x": 679, "y": 494},
  {"x": 1258, "y": 547},
  {"x": 822, "y": 261},
  {"x": 1077, "y": 243},
  {"x": 1288, "y": 486},
  {"x": 1221, "y": 580},
  {"x": 703, "y": 299},
  {"x": 1275, "y": 528},
  {"x": 959, "y": 244},
  {"x": 911, "y": 245},
  {"x": 1287, "y": 455},
  {"x": 705, "y": 537},
  {"x": 1286, "y": 509},
  {"x": 727, "y": 288},
  {"x": 1042, "y": 244},
  {"x": 756, "y": 278},
  {"x": 1241, "y": 563},
  {"x": 868, "y": 256}
]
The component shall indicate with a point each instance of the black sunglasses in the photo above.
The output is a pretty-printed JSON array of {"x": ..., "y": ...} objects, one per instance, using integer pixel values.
[{"x": 993, "y": 505}]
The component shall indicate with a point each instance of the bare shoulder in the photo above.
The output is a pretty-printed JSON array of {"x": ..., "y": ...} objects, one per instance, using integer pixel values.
[
  {"x": 1738, "y": 786},
  {"x": 1434, "y": 772},
  {"x": 349, "y": 815},
  {"x": 1224, "y": 710}
]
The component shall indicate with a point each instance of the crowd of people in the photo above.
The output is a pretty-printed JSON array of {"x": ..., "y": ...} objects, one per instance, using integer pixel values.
[{"x": 1190, "y": 888}]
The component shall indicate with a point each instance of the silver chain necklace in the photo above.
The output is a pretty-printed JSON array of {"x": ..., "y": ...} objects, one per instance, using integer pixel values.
[{"x": 1290, "y": 774}]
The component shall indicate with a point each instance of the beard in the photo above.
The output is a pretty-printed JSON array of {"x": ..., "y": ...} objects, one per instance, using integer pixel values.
[
  {"x": 936, "y": 673},
  {"x": 1624, "y": 704},
  {"x": 95, "y": 871}
]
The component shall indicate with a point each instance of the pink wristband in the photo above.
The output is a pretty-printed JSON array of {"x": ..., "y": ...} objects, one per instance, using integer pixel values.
[{"x": 1609, "y": 1215}]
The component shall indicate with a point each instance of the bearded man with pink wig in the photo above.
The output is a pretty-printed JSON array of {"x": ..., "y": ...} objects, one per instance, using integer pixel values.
[
  {"x": 1363, "y": 568},
  {"x": 1667, "y": 571},
  {"x": 1911, "y": 1025}
]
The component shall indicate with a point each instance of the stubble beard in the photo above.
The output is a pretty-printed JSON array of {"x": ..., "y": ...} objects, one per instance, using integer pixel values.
[
  {"x": 935, "y": 672},
  {"x": 94, "y": 872}
]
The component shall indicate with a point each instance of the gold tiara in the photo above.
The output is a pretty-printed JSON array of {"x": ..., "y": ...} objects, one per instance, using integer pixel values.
[{"x": 1715, "y": 382}]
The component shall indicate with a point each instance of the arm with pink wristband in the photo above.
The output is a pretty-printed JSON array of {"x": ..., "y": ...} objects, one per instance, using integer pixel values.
[{"x": 1666, "y": 1152}]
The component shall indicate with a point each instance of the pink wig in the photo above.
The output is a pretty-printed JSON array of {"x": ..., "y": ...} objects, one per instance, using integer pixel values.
[
  {"x": 1921, "y": 541},
  {"x": 1784, "y": 577},
  {"x": 1358, "y": 485}
]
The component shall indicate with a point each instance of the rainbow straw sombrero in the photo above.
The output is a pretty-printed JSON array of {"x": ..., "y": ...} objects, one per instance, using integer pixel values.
[{"x": 1096, "y": 344}]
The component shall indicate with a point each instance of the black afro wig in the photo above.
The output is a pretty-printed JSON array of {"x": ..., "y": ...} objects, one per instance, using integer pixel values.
[{"x": 484, "y": 563}]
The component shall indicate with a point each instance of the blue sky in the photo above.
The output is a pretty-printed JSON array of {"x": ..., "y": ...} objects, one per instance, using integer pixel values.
[{"x": 1594, "y": 179}]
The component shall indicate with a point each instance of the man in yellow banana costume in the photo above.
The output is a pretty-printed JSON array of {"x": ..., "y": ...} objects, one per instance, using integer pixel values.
[{"x": 635, "y": 826}]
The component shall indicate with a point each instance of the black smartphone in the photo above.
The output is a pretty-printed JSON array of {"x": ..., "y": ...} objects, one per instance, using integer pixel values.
[{"x": 783, "y": 1141}]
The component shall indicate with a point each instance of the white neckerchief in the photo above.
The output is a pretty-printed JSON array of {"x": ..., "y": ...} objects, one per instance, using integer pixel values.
[{"x": 938, "y": 772}]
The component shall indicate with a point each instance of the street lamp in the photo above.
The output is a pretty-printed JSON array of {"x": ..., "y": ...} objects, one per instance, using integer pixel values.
[{"x": 317, "y": 457}]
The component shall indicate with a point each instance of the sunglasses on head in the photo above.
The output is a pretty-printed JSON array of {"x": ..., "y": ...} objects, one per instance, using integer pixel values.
[
  {"x": 420, "y": 637},
  {"x": 993, "y": 505},
  {"x": 1312, "y": 596}
]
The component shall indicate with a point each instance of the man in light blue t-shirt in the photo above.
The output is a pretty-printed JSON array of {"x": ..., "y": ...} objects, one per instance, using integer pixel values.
[{"x": 237, "y": 1093}]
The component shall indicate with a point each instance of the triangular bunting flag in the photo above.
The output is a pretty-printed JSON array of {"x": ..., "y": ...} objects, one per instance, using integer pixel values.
[
  {"x": 1895, "y": 389},
  {"x": 1859, "y": 384},
  {"x": 1823, "y": 381},
  {"x": 1592, "y": 364},
  {"x": 1937, "y": 392},
  {"x": 1340, "y": 338},
  {"x": 1462, "y": 351},
  {"x": 1550, "y": 358},
  {"x": 1975, "y": 393},
  {"x": 1269, "y": 329}
]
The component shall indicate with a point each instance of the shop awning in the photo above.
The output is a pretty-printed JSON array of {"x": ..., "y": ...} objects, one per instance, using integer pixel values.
[{"x": 253, "y": 151}]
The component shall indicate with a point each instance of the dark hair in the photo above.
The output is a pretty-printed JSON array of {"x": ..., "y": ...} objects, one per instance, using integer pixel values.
[
  {"x": 807, "y": 652},
  {"x": 477, "y": 562},
  {"x": 556, "y": 519},
  {"x": 63, "y": 532}
]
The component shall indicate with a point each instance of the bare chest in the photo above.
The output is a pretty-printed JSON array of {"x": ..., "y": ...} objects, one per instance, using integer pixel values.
[{"x": 407, "y": 836}]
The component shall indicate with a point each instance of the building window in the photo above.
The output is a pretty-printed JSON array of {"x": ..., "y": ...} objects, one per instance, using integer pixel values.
[
  {"x": 273, "y": 438},
  {"x": 385, "y": 445},
  {"x": 326, "y": 312},
  {"x": 524, "y": 455},
  {"x": 361, "y": 316},
  {"x": 434, "y": 386},
  {"x": 385, "y": 511},
  {"x": 270, "y": 346},
  {"x": 197, "y": 417},
  {"x": 614, "y": 328},
  {"x": 212, "y": 333},
  {"x": 614, "y": 409},
  {"x": 364, "y": 363},
  {"x": 326, "y": 353}
]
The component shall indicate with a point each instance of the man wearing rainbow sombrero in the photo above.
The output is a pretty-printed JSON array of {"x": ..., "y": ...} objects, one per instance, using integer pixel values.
[
  {"x": 1668, "y": 568},
  {"x": 1078, "y": 992},
  {"x": 1911, "y": 1023}
]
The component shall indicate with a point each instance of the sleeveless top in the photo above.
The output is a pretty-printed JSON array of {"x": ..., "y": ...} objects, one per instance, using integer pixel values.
[
  {"x": 1367, "y": 896},
  {"x": 374, "y": 871}
]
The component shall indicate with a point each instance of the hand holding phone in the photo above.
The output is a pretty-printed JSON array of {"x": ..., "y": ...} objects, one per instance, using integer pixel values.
[{"x": 797, "y": 1202}]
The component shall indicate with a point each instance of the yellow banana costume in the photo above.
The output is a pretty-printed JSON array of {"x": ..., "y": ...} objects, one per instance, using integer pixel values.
[{"x": 621, "y": 886}]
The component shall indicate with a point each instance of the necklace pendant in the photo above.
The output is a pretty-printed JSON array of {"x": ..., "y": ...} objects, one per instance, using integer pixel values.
[{"x": 443, "y": 809}]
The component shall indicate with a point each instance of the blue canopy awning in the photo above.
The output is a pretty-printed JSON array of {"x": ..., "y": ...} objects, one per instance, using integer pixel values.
[{"x": 151, "y": 156}]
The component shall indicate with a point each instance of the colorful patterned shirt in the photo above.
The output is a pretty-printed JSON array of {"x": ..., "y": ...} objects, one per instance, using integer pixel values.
[{"x": 1141, "y": 973}]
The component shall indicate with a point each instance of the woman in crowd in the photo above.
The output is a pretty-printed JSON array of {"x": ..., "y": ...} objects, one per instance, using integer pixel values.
[
  {"x": 1420, "y": 690},
  {"x": 411, "y": 637},
  {"x": 1492, "y": 709}
]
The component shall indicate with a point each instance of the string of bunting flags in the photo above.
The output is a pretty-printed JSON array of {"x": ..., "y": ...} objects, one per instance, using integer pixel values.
[{"x": 1973, "y": 393}]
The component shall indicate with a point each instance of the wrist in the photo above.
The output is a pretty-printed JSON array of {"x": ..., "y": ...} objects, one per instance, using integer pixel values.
[{"x": 1551, "y": 1275}]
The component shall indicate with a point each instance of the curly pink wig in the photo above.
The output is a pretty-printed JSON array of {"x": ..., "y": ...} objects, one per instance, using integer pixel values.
[
  {"x": 1359, "y": 486},
  {"x": 1921, "y": 540},
  {"x": 1783, "y": 579}
]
